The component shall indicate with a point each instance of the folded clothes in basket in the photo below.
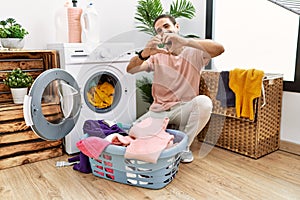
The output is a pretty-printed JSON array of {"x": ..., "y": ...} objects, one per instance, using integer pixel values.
[
  {"x": 146, "y": 140},
  {"x": 151, "y": 139}
]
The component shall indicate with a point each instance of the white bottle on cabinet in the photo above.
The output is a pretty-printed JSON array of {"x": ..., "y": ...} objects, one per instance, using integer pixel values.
[
  {"x": 61, "y": 23},
  {"x": 90, "y": 24}
]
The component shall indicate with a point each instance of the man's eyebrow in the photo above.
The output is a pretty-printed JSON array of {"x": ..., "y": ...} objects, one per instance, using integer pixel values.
[{"x": 166, "y": 24}]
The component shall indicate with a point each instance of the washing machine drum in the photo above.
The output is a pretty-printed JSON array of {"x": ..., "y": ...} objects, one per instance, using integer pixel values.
[{"x": 53, "y": 104}]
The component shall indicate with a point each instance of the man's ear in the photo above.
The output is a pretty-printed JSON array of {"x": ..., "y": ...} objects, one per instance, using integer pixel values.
[{"x": 177, "y": 27}]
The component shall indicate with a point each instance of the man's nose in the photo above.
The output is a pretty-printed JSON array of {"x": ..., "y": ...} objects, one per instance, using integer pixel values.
[{"x": 166, "y": 31}]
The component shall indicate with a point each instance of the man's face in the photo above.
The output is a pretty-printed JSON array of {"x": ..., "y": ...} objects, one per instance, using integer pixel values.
[{"x": 164, "y": 25}]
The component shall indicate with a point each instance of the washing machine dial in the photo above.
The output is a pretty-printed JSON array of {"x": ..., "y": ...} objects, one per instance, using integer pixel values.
[{"x": 105, "y": 54}]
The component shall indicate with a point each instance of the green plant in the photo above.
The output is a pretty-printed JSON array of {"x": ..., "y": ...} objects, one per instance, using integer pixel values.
[
  {"x": 18, "y": 79},
  {"x": 9, "y": 28},
  {"x": 145, "y": 86},
  {"x": 148, "y": 10}
]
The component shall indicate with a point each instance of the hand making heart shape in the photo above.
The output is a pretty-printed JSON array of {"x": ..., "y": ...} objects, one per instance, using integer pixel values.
[
  {"x": 168, "y": 43},
  {"x": 173, "y": 42}
]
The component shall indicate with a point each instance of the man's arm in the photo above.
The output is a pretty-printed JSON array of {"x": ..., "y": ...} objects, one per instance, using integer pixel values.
[
  {"x": 136, "y": 64},
  {"x": 211, "y": 47},
  {"x": 178, "y": 42},
  {"x": 174, "y": 45}
]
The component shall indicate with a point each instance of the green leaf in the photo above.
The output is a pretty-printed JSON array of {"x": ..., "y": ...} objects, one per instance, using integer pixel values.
[
  {"x": 11, "y": 29},
  {"x": 182, "y": 8},
  {"x": 18, "y": 79},
  {"x": 145, "y": 86},
  {"x": 148, "y": 10}
]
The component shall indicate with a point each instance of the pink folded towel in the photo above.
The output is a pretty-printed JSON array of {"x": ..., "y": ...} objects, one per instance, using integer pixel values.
[
  {"x": 118, "y": 139},
  {"x": 151, "y": 139},
  {"x": 92, "y": 146}
]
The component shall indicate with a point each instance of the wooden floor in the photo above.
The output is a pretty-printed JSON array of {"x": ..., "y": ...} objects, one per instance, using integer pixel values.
[{"x": 214, "y": 174}]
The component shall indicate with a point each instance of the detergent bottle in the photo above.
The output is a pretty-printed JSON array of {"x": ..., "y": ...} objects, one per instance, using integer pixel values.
[
  {"x": 74, "y": 25},
  {"x": 61, "y": 23},
  {"x": 67, "y": 23},
  {"x": 90, "y": 24}
]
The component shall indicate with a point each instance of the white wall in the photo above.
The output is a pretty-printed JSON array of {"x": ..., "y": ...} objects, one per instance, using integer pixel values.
[
  {"x": 117, "y": 19},
  {"x": 290, "y": 125},
  {"x": 256, "y": 35},
  {"x": 263, "y": 39},
  {"x": 117, "y": 23}
]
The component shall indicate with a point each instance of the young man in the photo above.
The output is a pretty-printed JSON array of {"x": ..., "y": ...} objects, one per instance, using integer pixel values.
[{"x": 177, "y": 70}]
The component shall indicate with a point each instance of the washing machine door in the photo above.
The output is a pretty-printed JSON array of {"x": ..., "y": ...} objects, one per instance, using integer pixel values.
[{"x": 53, "y": 104}]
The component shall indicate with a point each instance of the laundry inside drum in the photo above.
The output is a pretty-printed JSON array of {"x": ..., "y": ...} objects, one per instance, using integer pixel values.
[
  {"x": 102, "y": 92},
  {"x": 101, "y": 95}
]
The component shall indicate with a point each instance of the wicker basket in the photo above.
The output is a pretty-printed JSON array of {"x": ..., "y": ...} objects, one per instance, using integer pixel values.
[
  {"x": 112, "y": 165},
  {"x": 254, "y": 138}
]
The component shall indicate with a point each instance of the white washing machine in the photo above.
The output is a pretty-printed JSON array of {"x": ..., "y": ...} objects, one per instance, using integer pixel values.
[{"x": 102, "y": 90}]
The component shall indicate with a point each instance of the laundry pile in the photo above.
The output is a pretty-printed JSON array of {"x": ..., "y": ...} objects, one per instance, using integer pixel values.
[
  {"x": 144, "y": 141},
  {"x": 101, "y": 95},
  {"x": 238, "y": 88}
]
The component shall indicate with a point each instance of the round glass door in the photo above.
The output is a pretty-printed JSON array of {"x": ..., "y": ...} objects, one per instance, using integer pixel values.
[
  {"x": 53, "y": 104},
  {"x": 102, "y": 92}
]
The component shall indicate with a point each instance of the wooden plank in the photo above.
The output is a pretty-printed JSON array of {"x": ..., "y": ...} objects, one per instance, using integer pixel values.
[
  {"x": 18, "y": 137},
  {"x": 5, "y": 98},
  {"x": 16, "y": 112},
  {"x": 29, "y": 54},
  {"x": 30, "y": 158},
  {"x": 8, "y": 65},
  {"x": 27, "y": 147},
  {"x": 13, "y": 126},
  {"x": 10, "y": 106},
  {"x": 20, "y": 125}
]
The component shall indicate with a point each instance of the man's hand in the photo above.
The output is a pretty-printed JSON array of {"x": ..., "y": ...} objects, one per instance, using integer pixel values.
[
  {"x": 152, "y": 47},
  {"x": 174, "y": 43}
]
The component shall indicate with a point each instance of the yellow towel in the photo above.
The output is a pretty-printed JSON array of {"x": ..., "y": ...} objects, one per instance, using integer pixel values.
[
  {"x": 237, "y": 78},
  {"x": 246, "y": 84},
  {"x": 252, "y": 90},
  {"x": 101, "y": 96}
]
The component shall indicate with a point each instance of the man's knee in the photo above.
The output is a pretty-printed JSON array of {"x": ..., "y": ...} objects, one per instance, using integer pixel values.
[{"x": 204, "y": 103}]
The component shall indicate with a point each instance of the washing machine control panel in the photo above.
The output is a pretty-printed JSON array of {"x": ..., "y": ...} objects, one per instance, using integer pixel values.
[{"x": 81, "y": 53}]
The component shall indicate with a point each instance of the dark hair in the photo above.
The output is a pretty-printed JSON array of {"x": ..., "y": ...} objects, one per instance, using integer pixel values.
[{"x": 172, "y": 19}]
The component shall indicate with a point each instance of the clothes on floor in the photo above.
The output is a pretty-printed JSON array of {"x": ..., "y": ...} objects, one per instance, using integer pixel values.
[{"x": 84, "y": 165}]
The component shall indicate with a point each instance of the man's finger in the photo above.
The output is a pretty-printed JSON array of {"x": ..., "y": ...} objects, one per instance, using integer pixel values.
[{"x": 161, "y": 50}]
